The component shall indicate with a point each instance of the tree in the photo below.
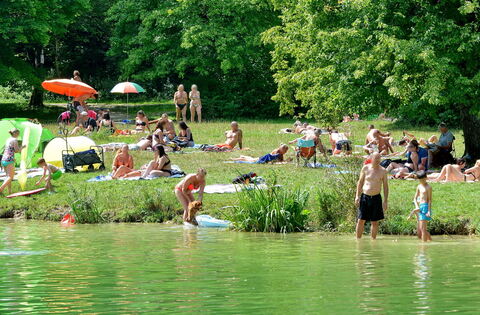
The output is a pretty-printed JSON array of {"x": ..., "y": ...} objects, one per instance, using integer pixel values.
[
  {"x": 405, "y": 57},
  {"x": 26, "y": 28},
  {"x": 215, "y": 44}
]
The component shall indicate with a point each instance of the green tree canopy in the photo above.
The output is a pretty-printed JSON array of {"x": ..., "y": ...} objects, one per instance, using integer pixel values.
[
  {"x": 26, "y": 28},
  {"x": 412, "y": 58},
  {"x": 214, "y": 43}
]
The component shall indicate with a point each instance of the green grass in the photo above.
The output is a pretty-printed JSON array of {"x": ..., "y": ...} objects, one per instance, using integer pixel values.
[{"x": 454, "y": 207}]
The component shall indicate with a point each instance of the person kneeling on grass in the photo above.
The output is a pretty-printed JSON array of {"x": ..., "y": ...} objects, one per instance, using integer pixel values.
[
  {"x": 184, "y": 189},
  {"x": 423, "y": 206},
  {"x": 50, "y": 172},
  {"x": 275, "y": 156}
]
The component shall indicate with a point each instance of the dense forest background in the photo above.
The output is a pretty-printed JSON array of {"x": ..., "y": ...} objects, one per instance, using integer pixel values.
[{"x": 416, "y": 60}]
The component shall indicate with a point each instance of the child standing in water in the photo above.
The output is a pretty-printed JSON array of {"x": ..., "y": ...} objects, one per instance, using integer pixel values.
[
  {"x": 53, "y": 173},
  {"x": 423, "y": 206}
]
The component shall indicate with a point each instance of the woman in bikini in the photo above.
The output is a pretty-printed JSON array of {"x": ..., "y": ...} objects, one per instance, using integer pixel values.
[
  {"x": 8, "y": 159},
  {"x": 184, "y": 189},
  {"x": 275, "y": 156},
  {"x": 195, "y": 104},
  {"x": 160, "y": 166},
  {"x": 453, "y": 173},
  {"x": 185, "y": 137},
  {"x": 122, "y": 163},
  {"x": 158, "y": 135},
  {"x": 107, "y": 123},
  {"x": 141, "y": 123}
]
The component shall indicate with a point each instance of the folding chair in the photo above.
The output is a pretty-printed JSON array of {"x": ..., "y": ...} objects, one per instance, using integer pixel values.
[{"x": 306, "y": 149}]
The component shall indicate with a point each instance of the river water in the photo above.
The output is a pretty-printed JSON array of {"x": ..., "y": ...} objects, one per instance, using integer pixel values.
[{"x": 135, "y": 268}]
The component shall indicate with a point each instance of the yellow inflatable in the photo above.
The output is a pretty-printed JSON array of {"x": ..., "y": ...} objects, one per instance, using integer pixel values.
[{"x": 53, "y": 150}]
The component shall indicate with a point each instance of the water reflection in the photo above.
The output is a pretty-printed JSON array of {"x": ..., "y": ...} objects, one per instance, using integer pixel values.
[
  {"x": 422, "y": 262},
  {"x": 369, "y": 261}
]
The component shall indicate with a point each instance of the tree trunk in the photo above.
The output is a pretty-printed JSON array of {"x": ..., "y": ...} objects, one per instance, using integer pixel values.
[
  {"x": 36, "y": 99},
  {"x": 471, "y": 134}
]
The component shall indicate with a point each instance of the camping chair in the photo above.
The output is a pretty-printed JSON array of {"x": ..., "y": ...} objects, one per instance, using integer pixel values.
[{"x": 306, "y": 149}]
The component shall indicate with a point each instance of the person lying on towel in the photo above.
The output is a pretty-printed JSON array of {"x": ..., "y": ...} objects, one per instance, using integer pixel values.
[{"x": 275, "y": 156}]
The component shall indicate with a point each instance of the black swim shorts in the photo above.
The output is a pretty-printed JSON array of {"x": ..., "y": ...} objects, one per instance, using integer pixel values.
[
  {"x": 181, "y": 106},
  {"x": 371, "y": 208},
  {"x": 344, "y": 145}
]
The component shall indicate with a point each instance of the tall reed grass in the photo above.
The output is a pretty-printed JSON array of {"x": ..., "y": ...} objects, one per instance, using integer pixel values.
[
  {"x": 84, "y": 205},
  {"x": 271, "y": 210}
]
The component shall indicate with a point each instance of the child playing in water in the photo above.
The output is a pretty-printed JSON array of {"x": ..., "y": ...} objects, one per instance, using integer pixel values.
[
  {"x": 53, "y": 173},
  {"x": 423, "y": 206}
]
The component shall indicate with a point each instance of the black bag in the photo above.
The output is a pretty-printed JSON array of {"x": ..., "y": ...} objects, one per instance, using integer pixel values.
[
  {"x": 386, "y": 163},
  {"x": 243, "y": 178}
]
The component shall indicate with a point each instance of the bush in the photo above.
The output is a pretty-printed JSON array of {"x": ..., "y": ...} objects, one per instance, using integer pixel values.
[
  {"x": 271, "y": 210},
  {"x": 336, "y": 203},
  {"x": 157, "y": 206},
  {"x": 84, "y": 205}
]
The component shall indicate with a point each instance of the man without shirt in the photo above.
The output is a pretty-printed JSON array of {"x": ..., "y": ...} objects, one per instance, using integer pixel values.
[{"x": 368, "y": 198}]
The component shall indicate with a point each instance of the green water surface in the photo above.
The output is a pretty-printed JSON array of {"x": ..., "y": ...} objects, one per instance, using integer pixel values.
[{"x": 153, "y": 268}]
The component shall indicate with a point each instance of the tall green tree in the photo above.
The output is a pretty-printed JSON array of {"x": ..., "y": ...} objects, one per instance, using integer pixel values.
[
  {"x": 412, "y": 58},
  {"x": 26, "y": 28},
  {"x": 213, "y": 43}
]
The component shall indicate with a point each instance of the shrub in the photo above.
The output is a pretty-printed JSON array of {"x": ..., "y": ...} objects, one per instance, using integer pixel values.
[
  {"x": 156, "y": 206},
  {"x": 271, "y": 210},
  {"x": 84, "y": 205},
  {"x": 336, "y": 209}
]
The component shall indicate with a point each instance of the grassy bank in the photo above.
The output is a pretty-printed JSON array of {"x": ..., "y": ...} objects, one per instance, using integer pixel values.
[{"x": 329, "y": 206}]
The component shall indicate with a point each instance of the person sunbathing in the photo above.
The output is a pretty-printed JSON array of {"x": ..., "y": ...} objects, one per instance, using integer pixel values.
[
  {"x": 233, "y": 136},
  {"x": 122, "y": 163},
  {"x": 315, "y": 136},
  {"x": 457, "y": 173},
  {"x": 160, "y": 166},
  {"x": 382, "y": 140},
  {"x": 184, "y": 190},
  {"x": 141, "y": 123},
  {"x": 143, "y": 144},
  {"x": 275, "y": 156}
]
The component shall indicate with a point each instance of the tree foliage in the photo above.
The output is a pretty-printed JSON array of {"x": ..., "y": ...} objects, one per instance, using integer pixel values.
[
  {"x": 416, "y": 59},
  {"x": 214, "y": 43}
]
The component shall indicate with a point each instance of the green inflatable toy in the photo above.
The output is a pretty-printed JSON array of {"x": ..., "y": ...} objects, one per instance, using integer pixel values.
[{"x": 37, "y": 135}]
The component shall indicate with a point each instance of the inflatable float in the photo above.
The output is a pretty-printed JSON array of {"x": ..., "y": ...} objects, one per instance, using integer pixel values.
[{"x": 207, "y": 221}]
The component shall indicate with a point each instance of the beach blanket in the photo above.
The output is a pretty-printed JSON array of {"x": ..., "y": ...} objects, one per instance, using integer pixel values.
[
  {"x": 229, "y": 188},
  {"x": 176, "y": 173}
]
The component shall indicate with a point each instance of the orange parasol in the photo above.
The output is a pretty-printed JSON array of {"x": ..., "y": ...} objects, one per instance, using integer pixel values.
[{"x": 68, "y": 87}]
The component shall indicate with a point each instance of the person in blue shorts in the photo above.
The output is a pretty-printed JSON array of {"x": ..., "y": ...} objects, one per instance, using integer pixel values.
[
  {"x": 423, "y": 206},
  {"x": 8, "y": 159}
]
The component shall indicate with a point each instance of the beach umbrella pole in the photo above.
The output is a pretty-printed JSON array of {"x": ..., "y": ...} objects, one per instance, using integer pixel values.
[{"x": 127, "y": 106}]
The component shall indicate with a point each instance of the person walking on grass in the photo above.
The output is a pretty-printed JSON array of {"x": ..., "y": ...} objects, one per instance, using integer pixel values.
[
  {"x": 180, "y": 98},
  {"x": 8, "y": 159},
  {"x": 368, "y": 198},
  {"x": 423, "y": 206}
]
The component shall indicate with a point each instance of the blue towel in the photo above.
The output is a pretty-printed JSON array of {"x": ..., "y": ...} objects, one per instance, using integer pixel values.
[{"x": 320, "y": 165}]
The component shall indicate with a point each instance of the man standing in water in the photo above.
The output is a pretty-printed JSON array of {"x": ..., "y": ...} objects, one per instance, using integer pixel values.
[{"x": 368, "y": 198}]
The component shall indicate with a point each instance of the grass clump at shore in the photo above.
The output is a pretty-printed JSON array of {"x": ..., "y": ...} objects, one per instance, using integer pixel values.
[
  {"x": 84, "y": 205},
  {"x": 275, "y": 209}
]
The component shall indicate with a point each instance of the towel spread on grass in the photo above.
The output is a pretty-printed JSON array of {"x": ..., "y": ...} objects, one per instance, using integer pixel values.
[
  {"x": 32, "y": 172},
  {"x": 229, "y": 188},
  {"x": 176, "y": 173},
  {"x": 320, "y": 165}
]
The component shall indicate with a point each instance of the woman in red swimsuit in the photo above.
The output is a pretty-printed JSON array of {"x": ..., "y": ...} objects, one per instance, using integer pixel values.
[{"x": 184, "y": 189}]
